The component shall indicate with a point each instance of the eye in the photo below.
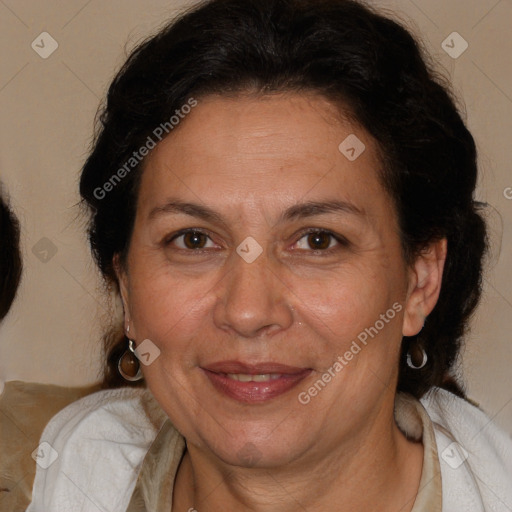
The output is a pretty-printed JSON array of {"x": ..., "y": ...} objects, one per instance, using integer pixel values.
[
  {"x": 190, "y": 239},
  {"x": 320, "y": 240}
]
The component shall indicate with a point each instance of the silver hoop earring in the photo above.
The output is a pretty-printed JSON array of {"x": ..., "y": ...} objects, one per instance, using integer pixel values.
[
  {"x": 412, "y": 359},
  {"x": 128, "y": 365}
]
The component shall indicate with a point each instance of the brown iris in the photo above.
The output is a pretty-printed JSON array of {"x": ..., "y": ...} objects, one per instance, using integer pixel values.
[
  {"x": 193, "y": 240},
  {"x": 319, "y": 240}
]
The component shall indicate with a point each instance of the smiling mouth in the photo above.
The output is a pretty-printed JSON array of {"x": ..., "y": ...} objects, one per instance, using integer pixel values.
[{"x": 257, "y": 383}]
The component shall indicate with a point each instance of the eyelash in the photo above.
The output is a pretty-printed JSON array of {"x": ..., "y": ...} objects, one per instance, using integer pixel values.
[{"x": 343, "y": 242}]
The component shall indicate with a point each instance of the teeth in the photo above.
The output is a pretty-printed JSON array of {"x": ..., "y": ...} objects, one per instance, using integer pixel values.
[{"x": 244, "y": 377}]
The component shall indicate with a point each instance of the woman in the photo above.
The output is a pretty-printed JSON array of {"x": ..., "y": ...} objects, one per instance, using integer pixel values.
[{"x": 282, "y": 194}]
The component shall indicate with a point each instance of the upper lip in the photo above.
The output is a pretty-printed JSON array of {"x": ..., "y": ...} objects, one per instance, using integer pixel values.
[{"x": 252, "y": 369}]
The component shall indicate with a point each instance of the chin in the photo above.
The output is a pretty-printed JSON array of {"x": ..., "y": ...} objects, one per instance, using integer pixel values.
[{"x": 267, "y": 448}]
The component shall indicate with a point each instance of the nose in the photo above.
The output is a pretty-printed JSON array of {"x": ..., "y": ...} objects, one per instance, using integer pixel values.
[{"x": 252, "y": 299}]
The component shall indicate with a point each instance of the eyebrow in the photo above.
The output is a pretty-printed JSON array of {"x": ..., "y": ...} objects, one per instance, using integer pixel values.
[{"x": 295, "y": 212}]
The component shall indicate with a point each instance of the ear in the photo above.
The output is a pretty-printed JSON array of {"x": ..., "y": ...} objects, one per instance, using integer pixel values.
[{"x": 425, "y": 277}]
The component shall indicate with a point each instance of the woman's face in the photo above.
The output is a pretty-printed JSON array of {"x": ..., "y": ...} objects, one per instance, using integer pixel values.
[{"x": 295, "y": 264}]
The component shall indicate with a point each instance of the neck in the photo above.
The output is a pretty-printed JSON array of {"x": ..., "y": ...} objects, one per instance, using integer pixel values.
[{"x": 379, "y": 469}]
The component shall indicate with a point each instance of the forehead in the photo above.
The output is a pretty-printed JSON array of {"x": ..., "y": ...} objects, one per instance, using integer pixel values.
[
  {"x": 253, "y": 149},
  {"x": 283, "y": 125}
]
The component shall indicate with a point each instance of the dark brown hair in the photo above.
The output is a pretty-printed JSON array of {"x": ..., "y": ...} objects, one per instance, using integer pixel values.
[
  {"x": 352, "y": 55},
  {"x": 10, "y": 257}
]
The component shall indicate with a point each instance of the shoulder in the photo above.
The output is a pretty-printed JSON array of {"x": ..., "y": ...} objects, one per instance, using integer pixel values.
[
  {"x": 91, "y": 451},
  {"x": 130, "y": 413},
  {"x": 474, "y": 453},
  {"x": 469, "y": 424}
]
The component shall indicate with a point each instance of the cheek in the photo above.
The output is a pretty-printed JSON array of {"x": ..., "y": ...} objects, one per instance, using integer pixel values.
[
  {"x": 345, "y": 304},
  {"x": 168, "y": 306},
  {"x": 356, "y": 320}
]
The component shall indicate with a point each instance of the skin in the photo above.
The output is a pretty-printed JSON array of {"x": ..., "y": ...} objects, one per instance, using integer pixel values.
[{"x": 250, "y": 158}]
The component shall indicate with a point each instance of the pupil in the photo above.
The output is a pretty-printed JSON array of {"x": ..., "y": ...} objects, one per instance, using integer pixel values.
[{"x": 316, "y": 239}]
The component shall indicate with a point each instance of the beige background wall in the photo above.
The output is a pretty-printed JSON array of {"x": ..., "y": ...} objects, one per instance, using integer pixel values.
[{"x": 47, "y": 110}]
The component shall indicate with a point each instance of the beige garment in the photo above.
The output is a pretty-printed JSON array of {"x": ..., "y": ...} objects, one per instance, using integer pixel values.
[
  {"x": 413, "y": 420},
  {"x": 154, "y": 488}
]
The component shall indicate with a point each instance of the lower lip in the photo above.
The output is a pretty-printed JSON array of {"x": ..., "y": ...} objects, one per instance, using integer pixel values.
[{"x": 254, "y": 392}]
